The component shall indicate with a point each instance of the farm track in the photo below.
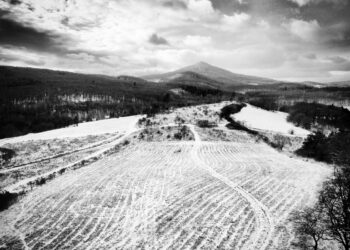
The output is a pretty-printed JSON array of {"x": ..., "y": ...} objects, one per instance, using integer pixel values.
[
  {"x": 86, "y": 148},
  {"x": 170, "y": 195},
  {"x": 265, "y": 224},
  {"x": 100, "y": 150}
]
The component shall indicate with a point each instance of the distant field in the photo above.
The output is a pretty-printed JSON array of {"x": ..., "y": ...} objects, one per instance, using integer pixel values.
[
  {"x": 205, "y": 192},
  {"x": 276, "y": 122},
  {"x": 101, "y": 127}
]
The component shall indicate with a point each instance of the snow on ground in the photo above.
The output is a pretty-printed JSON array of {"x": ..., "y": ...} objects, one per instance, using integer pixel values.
[
  {"x": 260, "y": 119},
  {"x": 113, "y": 125},
  {"x": 194, "y": 194},
  {"x": 169, "y": 195}
]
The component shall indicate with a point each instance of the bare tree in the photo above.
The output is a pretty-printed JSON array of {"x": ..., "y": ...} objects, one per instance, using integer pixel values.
[
  {"x": 309, "y": 226},
  {"x": 335, "y": 200}
]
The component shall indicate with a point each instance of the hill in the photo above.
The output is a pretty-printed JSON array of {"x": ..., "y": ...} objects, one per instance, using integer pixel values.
[
  {"x": 35, "y": 100},
  {"x": 225, "y": 77},
  {"x": 339, "y": 84}
]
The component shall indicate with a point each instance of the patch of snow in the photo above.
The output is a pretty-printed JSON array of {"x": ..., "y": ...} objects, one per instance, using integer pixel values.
[
  {"x": 174, "y": 76},
  {"x": 155, "y": 80},
  {"x": 260, "y": 119},
  {"x": 121, "y": 125},
  {"x": 178, "y": 91}
]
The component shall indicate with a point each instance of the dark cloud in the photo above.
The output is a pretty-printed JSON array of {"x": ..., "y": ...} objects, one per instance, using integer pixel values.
[
  {"x": 176, "y": 4},
  {"x": 4, "y": 57},
  {"x": 14, "y": 2},
  {"x": 334, "y": 20},
  {"x": 338, "y": 59},
  {"x": 332, "y": 15},
  {"x": 326, "y": 13},
  {"x": 339, "y": 37},
  {"x": 311, "y": 56},
  {"x": 157, "y": 40},
  {"x": 230, "y": 6},
  {"x": 13, "y": 33},
  {"x": 268, "y": 9}
]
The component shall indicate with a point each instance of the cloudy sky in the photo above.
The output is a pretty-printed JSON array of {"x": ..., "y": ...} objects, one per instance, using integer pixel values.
[{"x": 283, "y": 39}]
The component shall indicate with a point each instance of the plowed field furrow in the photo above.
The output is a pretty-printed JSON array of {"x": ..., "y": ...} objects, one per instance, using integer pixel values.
[
  {"x": 171, "y": 195},
  {"x": 202, "y": 234},
  {"x": 190, "y": 224}
]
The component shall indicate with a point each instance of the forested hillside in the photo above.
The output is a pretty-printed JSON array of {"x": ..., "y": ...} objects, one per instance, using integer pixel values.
[{"x": 34, "y": 100}]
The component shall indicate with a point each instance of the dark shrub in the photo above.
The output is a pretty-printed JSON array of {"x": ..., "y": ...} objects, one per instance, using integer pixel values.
[
  {"x": 6, "y": 154},
  {"x": 315, "y": 146},
  {"x": 332, "y": 149},
  {"x": 7, "y": 199},
  {"x": 206, "y": 124},
  {"x": 231, "y": 109}
]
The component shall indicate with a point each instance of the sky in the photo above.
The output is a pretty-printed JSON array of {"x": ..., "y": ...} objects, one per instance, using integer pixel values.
[{"x": 293, "y": 40}]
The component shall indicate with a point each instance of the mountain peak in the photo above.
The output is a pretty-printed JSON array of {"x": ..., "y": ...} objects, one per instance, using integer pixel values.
[
  {"x": 201, "y": 63},
  {"x": 199, "y": 67},
  {"x": 212, "y": 72}
]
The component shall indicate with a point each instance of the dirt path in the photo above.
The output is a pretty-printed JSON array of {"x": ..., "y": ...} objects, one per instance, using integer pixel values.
[{"x": 91, "y": 146}]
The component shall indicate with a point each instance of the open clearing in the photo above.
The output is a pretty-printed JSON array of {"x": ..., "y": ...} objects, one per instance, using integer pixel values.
[
  {"x": 113, "y": 125},
  {"x": 272, "y": 121},
  {"x": 172, "y": 194}
]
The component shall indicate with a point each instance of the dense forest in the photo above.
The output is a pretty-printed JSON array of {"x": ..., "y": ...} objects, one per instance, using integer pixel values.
[
  {"x": 334, "y": 149},
  {"x": 307, "y": 115},
  {"x": 278, "y": 96}
]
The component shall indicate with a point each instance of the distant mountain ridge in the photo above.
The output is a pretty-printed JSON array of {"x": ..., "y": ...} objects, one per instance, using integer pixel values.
[
  {"x": 339, "y": 84},
  {"x": 223, "y": 76}
]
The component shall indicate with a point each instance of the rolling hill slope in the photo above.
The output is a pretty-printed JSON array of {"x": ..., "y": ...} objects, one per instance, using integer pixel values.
[{"x": 36, "y": 100}]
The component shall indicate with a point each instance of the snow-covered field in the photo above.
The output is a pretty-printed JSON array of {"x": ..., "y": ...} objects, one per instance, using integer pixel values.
[
  {"x": 186, "y": 194},
  {"x": 260, "y": 119},
  {"x": 120, "y": 125}
]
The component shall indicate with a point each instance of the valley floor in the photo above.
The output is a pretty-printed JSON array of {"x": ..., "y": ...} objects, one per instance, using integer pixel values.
[{"x": 202, "y": 193}]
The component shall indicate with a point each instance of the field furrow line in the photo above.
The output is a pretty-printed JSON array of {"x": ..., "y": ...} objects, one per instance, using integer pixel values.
[
  {"x": 198, "y": 216},
  {"x": 264, "y": 219}
]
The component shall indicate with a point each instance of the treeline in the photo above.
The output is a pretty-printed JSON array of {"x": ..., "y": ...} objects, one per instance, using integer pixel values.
[
  {"x": 305, "y": 114},
  {"x": 334, "y": 149},
  {"x": 18, "y": 121},
  {"x": 52, "y": 113},
  {"x": 231, "y": 109},
  {"x": 278, "y": 96},
  {"x": 35, "y": 100},
  {"x": 289, "y": 93},
  {"x": 308, "y": 114},
  {"x": 201, "y": 91},
  {"x": 329, "y": 218}
]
